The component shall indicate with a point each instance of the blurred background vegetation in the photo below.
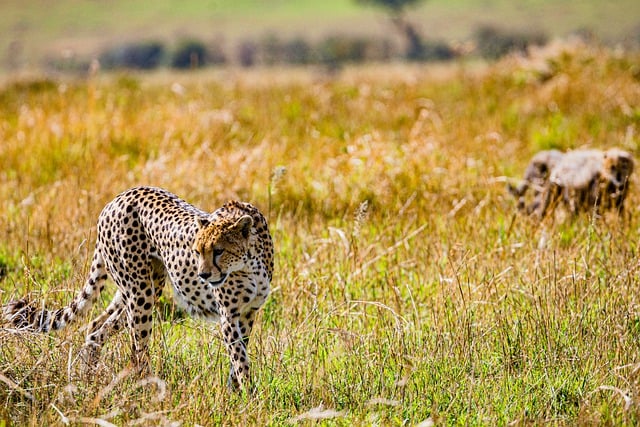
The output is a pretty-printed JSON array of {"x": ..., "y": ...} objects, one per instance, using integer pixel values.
[{"x": 67, "y": 35}]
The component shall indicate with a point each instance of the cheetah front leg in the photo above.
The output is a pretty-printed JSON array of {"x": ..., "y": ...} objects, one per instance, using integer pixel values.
[
  {"x": 246, "y": 324},
  {"x": 237, "y": 350}
]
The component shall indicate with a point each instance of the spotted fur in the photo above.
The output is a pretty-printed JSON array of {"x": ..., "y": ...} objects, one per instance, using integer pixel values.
[{"x": 220, "y": 266}]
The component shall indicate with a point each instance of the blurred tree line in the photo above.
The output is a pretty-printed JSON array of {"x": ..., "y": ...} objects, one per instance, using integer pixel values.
[
  {"x": 271, "y": 49},
  {"x": 332, "y": 51}
]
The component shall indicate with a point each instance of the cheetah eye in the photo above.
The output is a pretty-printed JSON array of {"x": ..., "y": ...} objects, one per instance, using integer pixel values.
[{"x": 217, "y": 252}]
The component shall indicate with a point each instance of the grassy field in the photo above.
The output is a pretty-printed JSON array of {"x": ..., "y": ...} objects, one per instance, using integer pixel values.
[
  {"x": 406, "y": 288},
  {"x": 38, "y": 28}
]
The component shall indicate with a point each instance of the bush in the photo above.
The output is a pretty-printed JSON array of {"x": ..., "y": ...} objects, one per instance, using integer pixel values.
[
  {"x": 247, "y": 52},
  {"x": 340, "y": 49},
  {"x": 189, "y": 54},
  {"x": 493, "y": 42},
  {"x": 273, "y": 50},
  {"x": 216, "y": 54},
  {"x": 433, "y": 51},
  {"x": 297, "y": 51},
  {"x": 142, "y": 55}
]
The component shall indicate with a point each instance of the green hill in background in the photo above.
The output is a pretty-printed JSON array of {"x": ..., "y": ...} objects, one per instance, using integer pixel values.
[{"x": 33, "y": 29}]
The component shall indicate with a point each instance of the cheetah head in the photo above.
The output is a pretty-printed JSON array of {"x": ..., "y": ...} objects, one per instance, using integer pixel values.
[
  {"x": 617, "y": 166},
  {"x": 221, "y": 245}
]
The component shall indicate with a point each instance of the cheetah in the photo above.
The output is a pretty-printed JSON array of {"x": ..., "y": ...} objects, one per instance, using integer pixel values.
[
  {"x": 589, "y": 179},
  {"x": 219, "y": 264},
  {"x": 536, "y": 176}
]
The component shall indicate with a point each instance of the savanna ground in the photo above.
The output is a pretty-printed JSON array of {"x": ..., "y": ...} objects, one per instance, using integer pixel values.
[{"x": 406, "y": 288}]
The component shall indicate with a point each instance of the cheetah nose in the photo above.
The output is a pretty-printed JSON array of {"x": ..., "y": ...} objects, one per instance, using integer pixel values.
[{"x": 204, "y": 275}]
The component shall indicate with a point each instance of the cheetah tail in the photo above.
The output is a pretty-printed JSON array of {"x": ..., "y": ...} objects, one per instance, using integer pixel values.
[{"x": 25, "y": 315}]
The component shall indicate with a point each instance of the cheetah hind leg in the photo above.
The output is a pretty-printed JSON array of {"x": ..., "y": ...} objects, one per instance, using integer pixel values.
[
  {"x": 99, "y": 330},
  {"x": 113, "y": 320},
  {"x": 139, "y": 316}
]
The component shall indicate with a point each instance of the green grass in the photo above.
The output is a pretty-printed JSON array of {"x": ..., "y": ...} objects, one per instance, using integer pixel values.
[
  {"x": 65, "y": 17},
  {"x": 432, "y": 301}
]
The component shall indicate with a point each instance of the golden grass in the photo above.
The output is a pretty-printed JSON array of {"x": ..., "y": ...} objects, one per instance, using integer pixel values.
[{"x": 406, "y": 290}]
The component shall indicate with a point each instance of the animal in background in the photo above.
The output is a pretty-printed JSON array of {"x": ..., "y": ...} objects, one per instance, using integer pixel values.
[{"x": 589, "y": 180}]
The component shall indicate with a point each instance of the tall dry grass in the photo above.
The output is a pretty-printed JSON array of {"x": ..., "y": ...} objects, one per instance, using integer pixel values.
[{"x": 406, "y": 289}]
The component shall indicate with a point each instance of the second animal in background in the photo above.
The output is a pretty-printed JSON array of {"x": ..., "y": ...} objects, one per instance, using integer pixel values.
[{"x": 584, "y": 180}]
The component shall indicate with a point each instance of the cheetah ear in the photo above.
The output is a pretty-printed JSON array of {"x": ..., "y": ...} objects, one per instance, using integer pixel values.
[
  {"x": 244, "y": 225},
  {"x": 201, "y": 222}
]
